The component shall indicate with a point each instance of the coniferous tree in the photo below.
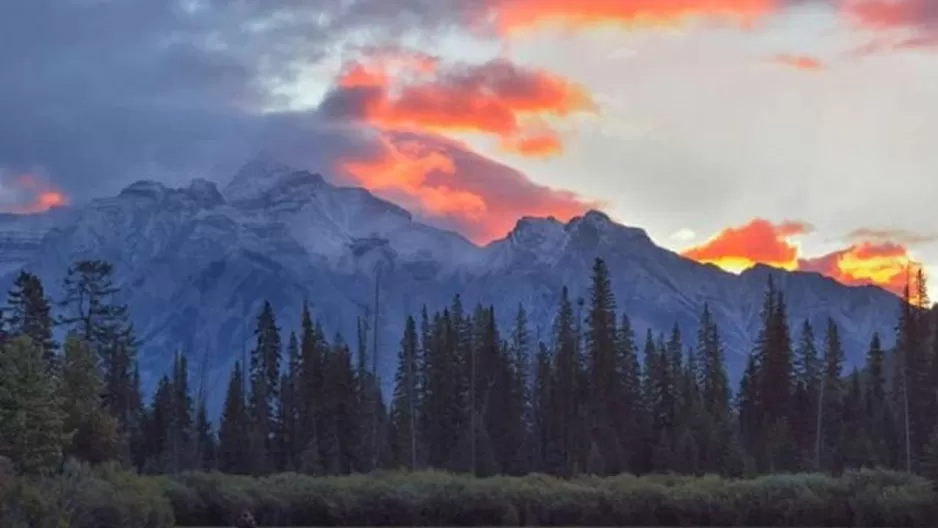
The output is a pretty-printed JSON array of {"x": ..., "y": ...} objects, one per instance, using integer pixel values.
[
  {"x": 233, "y": 427},
  {"x": 715, "y": 394},
  {"x": 264, "y": 390},
  {"x": 878, "y": 418},
  {"x": 31, "y": 416},
  {"x": 310, "y": 393},
  {"x": 93, "y": 433},
  {"x": 807, "y": 381},
  {"x": 94, "y": 315},
  {"x": 830, "y": 408},
  {"x": 29, "y": 313},
  {"x": 287, "y": 443},
  {"x": 520, "y": 350},
  {"x": 182, "y": 438},
  {"x": 543, "y": 437},
  {"x": 565, "y": 399},
  {"x": 632, "y": 422},
  {"x": 601, "y": 353},
  {"x": 340, "y": 397},
  {"x": 205, "y": 440},
  {"x": 403, "y": 424}
]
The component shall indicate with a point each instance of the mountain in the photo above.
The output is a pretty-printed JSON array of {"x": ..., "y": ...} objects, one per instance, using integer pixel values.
[{"x": 196, "y": 263}]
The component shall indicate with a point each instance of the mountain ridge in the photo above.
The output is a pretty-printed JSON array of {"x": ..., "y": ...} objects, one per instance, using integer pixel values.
[{"x": 196, "y": 262}]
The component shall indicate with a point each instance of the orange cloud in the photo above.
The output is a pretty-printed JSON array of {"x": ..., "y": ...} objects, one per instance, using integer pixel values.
[
  {"x": 883, "y": 264},
  {"x": 871, "y": 260},
  {"x": 799, "y": 62},
  {"x": 30, "y": 194},
  {"x": 899, "y": 24},
  {"x": 497, "y": 98},
  {"x": 450, "y": 185},
  {"x": 757, "y": 242},
  {"x": 517, "y": 15}
]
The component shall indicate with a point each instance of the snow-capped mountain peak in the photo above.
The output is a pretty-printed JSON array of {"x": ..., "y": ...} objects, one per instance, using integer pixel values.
[{"x": 196, "y": 263}]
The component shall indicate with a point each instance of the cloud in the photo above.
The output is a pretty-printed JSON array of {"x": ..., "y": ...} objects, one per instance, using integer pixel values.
[
  {"x": 28, "y": 193},
  {"x": 684, "y": 235},
  {"x": 897, "y": 24},
  {"x": 799, "y": 62},
  {"x": 447, "y": 183},
  {"x": 901, "y": 236},
  {"x": 874, "y": 257},
  {"x": 883, "y": 264},
  {"x": 103, "y": 93},
  {"x": 517, "y": 15},
  {"x": 757, "y": 242},
  {"x": 497, "y": 98}
]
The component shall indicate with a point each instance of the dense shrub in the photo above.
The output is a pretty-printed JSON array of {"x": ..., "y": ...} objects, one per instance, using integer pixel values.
[
  {"x": 860, "y": 498},
  {"x": 80, "y": 497}
]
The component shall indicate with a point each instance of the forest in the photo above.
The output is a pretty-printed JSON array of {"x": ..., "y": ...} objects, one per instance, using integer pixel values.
[{"x": 485, "y": 426}]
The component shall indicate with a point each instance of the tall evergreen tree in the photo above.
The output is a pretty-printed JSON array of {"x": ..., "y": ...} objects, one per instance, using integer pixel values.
[
  {"x": 264, "y": 390},
  {"x": 601, "y": 353},
  {"x": 31, "y": 416},
  {"x": 29, "y": 314},
  {"x": 92, "y": 432},
  {"x": 404, "y": 441},
  {"x": 233, "y": 428},
  {"x": 565, "y": 398}
]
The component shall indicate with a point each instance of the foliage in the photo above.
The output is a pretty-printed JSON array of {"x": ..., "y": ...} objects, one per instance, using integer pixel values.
[{"x": 429, "y": 498}]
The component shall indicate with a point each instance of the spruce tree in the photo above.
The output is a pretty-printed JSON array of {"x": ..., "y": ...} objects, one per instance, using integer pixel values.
[
  {"x": 233, "y": 427},
  {"x": 601, "y": 353},
  {"x": 29, "y": 314},
  {"x": 264, "y": 385},
  {"x": 93, "y": 434},
  {"x": 182, "y": 434},
  {"x": 31, "y": 416},
  {"x": 632, "y": 422},
  {"x": 205, "y": 440},
  {"x": 310, "y": 392},
  {"x": 565, "y": 398},
  {"x": 404, "y": 405}
]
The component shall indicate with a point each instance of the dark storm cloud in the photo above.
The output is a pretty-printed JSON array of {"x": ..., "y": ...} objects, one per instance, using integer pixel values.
[{"x": 101, "y": 92}]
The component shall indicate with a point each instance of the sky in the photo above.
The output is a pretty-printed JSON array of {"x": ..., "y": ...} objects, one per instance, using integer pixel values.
[{"x": 795, "y": 133}]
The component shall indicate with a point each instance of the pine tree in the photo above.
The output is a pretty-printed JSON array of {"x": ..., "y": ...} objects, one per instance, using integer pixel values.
[
  {"x": 601, "y": 353},
  {"x": 31, "y": 416},
  {"x": 182, "y": 438},
  {"x": 632, "y": 422},
  {"x": 805, "y": 396},
  {"x": 264, "y": 390},
  {"x": 542, "y": 433},
  {"x": 520, "y": 349},
  {"x": 288, "y": 414},
  {"x": 29, "y": 314},
  {"x": 877, "y": 415},
  {"x": 310, "y": 392},
  {"x": 205, "y": 441},
  {"x": 93, "y": 435},
  {"x": 830, "y": 405},
  {"x": 93, "y": 313},
  {"x": 565, "y": 398},
  {"x": 404, "y": 405},
  {"x": 233, "y": 427}
]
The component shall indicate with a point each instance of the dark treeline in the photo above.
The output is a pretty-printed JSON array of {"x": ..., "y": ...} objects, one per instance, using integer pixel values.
[{"x": 469, "y": 396}]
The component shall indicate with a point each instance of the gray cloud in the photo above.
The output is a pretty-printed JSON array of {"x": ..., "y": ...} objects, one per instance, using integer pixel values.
[{"x": 101, "y": 92}]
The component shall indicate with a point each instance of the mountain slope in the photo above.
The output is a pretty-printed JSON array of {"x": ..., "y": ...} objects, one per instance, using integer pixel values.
[{"x": 196, "y": 263}]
